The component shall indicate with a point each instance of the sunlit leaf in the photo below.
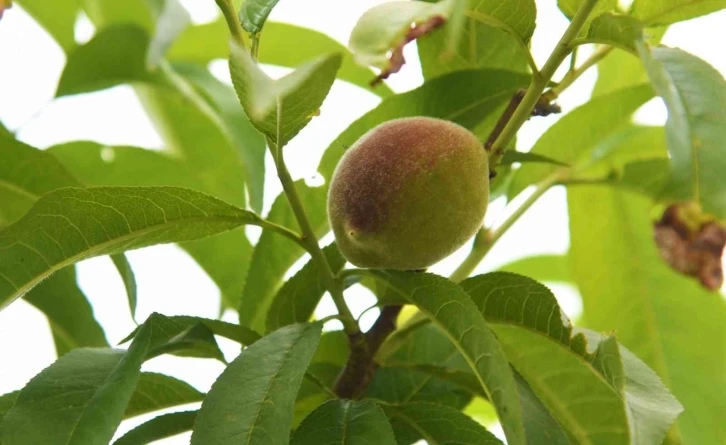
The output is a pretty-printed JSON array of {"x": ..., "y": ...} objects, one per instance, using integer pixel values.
[
  {"x": 254, "y": 13},
  {"x": 668, "y": 320},
  {"x": 695, "y": 95},
  {"x": 616, "y": 30},
  {"x": 663, "y": 12},
  {"x": 158, "y": 391},
  {"x": 56, "y": 17}
]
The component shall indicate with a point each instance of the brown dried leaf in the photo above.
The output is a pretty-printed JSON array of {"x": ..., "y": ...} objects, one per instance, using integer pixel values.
[
  {"x": 692, "y": 247},
  {"x": 396, "y": 59}
]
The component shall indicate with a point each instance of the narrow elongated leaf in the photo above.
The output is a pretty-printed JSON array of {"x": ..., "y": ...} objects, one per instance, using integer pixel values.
[
  {"x": 167, "y": 425},
  {"x": 616, "y": 30},
  {"x": 279, "y": 109},
  {"x": 69, "y": 314},
  {"x": 203, "y": 43},
  {"x": 249, "y": 142},
  {"x": 297, "y": 299},
  {"x": 453, "y": 311},
  {"x": 252, "y": 401},
  {"x": 472, "y": 99},
  {"x": 25, "y": 175},
  {"x": 158, "y": 391},
  {"x": 512, "y": 156},
  {"x": 439, "y": 424},
  {"x": 254, "y": 13},
  {"x": 345, "y": 421},
  {"x": 115, "y": 55},
  {"x": 670, "y": 322},
  {"x": 57, "y": 17},
  {"x": 274, "y": 255},
  {"x": 127, "y": 275},
  {"x": 70, "y": 224},
  {"x": 671, "y": 11},
  {"x": 80, "y": 399},
  {"x": 225, "y": 257},
  {"x": 173, "y": 326},
  {"x": 695, "y": 95},
  {"x": 571, "y": 142}
]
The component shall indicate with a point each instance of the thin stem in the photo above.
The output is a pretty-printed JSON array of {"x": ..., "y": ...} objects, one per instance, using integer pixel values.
[
  {"x": 284, "y": 231},
  {"x": 254, "y": 46},
  {"x": 485, "y": 239},
  {"x": 310, "y": 240},
  {"x": 575, "y": 73},
  {"x": 539, "y": 83},
  {"x": 232, "y": 22}
]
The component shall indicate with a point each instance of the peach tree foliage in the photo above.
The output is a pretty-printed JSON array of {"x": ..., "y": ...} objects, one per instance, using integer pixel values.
[{"x": 644, "y": 365}]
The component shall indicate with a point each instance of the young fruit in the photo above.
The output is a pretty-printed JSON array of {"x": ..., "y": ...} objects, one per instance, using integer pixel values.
[{"x": 408, "y": 193}]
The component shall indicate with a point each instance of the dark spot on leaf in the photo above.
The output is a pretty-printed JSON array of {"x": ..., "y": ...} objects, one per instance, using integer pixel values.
[
  {"x": 692, "y": 248},
  {"x": 396, "y": 59}
]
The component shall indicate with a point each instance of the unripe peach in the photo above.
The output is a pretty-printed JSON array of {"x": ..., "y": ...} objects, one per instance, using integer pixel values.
[{"x": 408, "y": 193}]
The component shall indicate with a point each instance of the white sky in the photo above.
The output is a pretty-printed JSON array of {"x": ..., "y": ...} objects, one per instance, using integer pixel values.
[{"x": 169, "y": 281}]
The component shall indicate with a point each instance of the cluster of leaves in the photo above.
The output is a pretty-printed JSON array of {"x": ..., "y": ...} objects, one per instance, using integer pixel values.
[{"x": 499, "y": 337}]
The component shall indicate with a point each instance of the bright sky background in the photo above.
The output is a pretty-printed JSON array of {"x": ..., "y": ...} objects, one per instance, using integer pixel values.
[{"x": 169, "y": 281}]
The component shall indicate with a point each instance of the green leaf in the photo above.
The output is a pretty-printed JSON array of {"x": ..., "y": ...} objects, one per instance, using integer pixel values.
[
  {"x": 386, "y": 27},
  {"x": 201, "y": 44},
  {"x": 541, "y": 267},
  {"x": 274, "y": 255},
  {"x": 695, "y": 95},
  {"x": 254, "y": 13},
  {"x": 621, "y": 31},
  {"x": 114, "y": 56},
  {"x": 668, "y": 320},
  {"x": 439, "y": 424},
  {"x": 570, "y": 8},
  {"x": 109, "y": 13},
  {"x": 453, "y": 311},
  {"x": 171, "y": 21},
  {"x": 6, "y": 403},
  {"x": 248, "y": 142},
  {"x": 173, "y": 326},
  {"x": 297, "y": 299},
  {"x": 530, "y": 325},
  {"x": 70, "y": 225},
  {"x": 25, "y": 175},
  {"x": 512, "y": 156},
  {"x": 482, "y": 45},
  {"x": 69, "y": 314},
  {"x": 80, "y": 399},
  {"x": 253, "y": 398},
  {"x": 657, "y": 12},
  {"x": 345, "y": 421},
  {"x": 279, "y": 109},
  {"x": 226, "y": 256},
  {"x": 158, "y": 391},
  {"x": 473, "y": 99},
  {"x": 571, "y": 142},
  {"x": 158, "y": 428},
  {"x": 58, "y": 18},
  {"x": 127, "y": 276}
]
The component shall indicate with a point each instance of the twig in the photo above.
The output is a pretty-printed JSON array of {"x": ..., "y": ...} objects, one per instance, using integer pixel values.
[
  {"x": 233, "y": 24},
  {"x": 574, "y": 73}
]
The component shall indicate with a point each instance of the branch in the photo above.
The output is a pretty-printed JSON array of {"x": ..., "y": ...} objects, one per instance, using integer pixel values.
[
  {"x": 361, "y": 366},
  {"x": 574, "y": 73}
]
